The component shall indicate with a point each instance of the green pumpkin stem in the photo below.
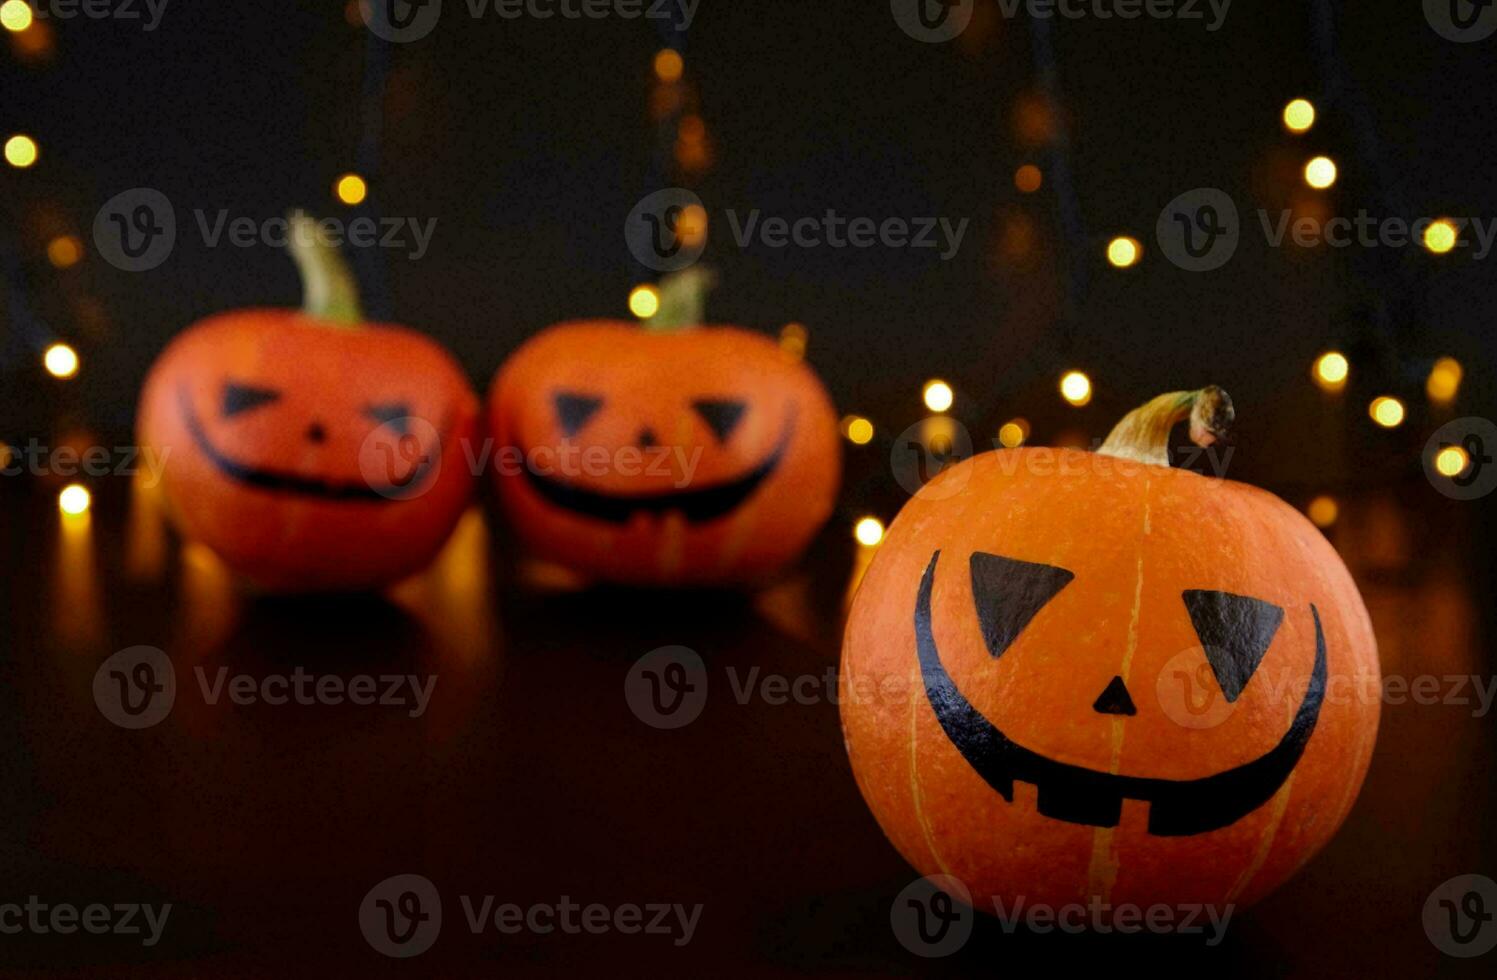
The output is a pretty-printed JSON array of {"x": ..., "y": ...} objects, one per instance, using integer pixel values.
[
  {"x": 329, "y": 291},
  {"x": 1143, "y": 435},
  {"x": 683, "y": 300}
]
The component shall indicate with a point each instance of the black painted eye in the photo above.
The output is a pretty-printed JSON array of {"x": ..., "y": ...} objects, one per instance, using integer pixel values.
[
  {"x": 241, "y": 398},
  {"x": 393, "y": 414},
  {"x": 574, "y": 410},
  {"x": 1236, "y": 631},
  {"x": 721, "y": 415},
  {"x": 1008, "y": 593}
]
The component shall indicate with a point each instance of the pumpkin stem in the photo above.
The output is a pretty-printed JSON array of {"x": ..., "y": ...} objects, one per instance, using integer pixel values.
[
  {"x": 683, "y": 300},
  {"x": 329, "y": 291},
  {"x": 1143, "y": 435}
]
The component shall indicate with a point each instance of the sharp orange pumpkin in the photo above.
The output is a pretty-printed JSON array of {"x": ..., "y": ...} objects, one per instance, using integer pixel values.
[
  {"x": 675, "y": 454},
  {"x": 1072, "y": 677},
  {"x": 311, "y": 450}
]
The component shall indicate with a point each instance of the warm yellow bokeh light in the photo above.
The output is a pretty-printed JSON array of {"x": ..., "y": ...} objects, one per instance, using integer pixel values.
[
  {"x": 938, "y": 395},
  {"x": 1441, "y": 236},
  {"x": 1011, "y": 434},
  {"x": 869, "y": 531},
  {"x": 669, "y": 66},
  {"x": 1028, "y": 178},
  {"x": 644, "y": 301},
  {"x": 15, "y": 15},
  {"x": 60, "y": 360},
  {"x": 1323, "y": 511},
  {"x": 1386, "y": 411},
  {"x": 1076, "y": 388},
  {"x": 1320, "y": 173},
  {"x": 1331, "y": 369},
  {"x": 1123, "y": 251},
  {"x": 20, "y": 151},
  {"x": 1452, "y": 461},
  {"x": 64, "y": 251},
  {"x": 351, "y": 189},
  {"x": 1299, "y": 115},
  {"x": 74, "y": 499},
  {"x": 858, "y": 430},
  {"x": 1444, "y": 380}
]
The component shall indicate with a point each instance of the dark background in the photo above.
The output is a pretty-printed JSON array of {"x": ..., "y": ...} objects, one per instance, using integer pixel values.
[{"x": 529, "y": 141}]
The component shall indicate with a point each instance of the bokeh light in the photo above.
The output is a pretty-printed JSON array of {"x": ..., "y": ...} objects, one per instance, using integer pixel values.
[
  {"x": 1452, "y": 461},
  {"x": 15, "y": 15},
  {"x": 351, "y": 189},
  {"x": 644, "y": 301},
  {"x": 1320, "y": 173},
  {"x": 1331, "y": 370},
  {"x": 1013, "y": 433},
  {"x": 60, "y": 360},
  {"x": 64, "y": 251},
  {"x": 869, "y": 531},
  {"x": 1123, "y": 251},
  {"x": 74, "y": 499},
  {"x": 938, "y": 395},
  {"x": 1386, "y": 411},
  {"x": 1028, "y": 178},
  {"x": 21, "y": 151},
  {"x": 1299, "y": 115},
  {"x": 858, "y": 430},
  {"x": 669, "y": 66},
  {"x": 1440, "y": 237},
  {"x": 1323, "y": 511},
  {"x": 1444, "y": 380},
  {"x": 1076, "y": 388}
]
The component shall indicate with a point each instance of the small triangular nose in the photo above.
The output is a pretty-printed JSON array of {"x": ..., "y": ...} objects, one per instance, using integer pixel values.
[
  {"x": 1114, "y": 699},
  {"x": 646, "y": 438}
]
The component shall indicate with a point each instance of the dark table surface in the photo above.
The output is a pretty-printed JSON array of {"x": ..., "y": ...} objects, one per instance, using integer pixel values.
[{"x": 529, "y": 778}]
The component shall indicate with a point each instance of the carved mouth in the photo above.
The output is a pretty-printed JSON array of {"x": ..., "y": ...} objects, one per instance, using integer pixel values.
[
  {"x": 278, "y": 482},
  {"x": 697, "y": 505},
  {"x": 1084, "y": 796}
]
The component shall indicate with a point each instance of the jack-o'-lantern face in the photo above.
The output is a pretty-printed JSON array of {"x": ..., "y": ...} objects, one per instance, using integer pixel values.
[
  {"x": 697, "y": 457},
  {"x": 1235, "y": 634},
  {"x": 1071, "y": 674},
  {"x": 310, "y": 456}
]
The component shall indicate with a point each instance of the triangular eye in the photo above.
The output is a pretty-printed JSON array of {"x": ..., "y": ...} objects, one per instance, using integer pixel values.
[
  {"x": 242, "y": 398},
  {"x": 393, "y": 414},
  {"x": 1236, "y": 631},
  {"x": 573, "y": 411},
  {"x": 1008, "y": 593},
  {"x": 721, "y": 415}
]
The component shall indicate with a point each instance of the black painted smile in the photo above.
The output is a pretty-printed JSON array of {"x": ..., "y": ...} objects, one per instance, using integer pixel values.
[
  {"x": 272, "y": 480},
  {"x": 1085, "y": 796},
  {"x": 697, "y": 506}
]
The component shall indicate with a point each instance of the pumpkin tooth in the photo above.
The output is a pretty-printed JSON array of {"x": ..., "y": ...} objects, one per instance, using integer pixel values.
[{"x": 1077, "y": 803}]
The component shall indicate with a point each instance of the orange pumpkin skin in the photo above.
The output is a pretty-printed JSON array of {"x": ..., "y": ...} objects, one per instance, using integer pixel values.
[
  {"x": 312, "y": 488},
  {"x": 651, "y": 447},
  {"x": 1135, "y": 537}
]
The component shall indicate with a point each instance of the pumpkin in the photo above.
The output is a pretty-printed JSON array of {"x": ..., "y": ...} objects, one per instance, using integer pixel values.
[
  {"x": 309, "y": 449},
  {"x": 1075, "y": 677},
  {"x": 673, "y": 454}
]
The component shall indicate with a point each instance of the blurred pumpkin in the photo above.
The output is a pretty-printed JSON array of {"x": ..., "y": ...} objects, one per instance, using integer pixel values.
[
  {"x": 309, "y": 449},
  {"x": 668, "y": 455},
  {"x": 1109, "y": 676}
]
